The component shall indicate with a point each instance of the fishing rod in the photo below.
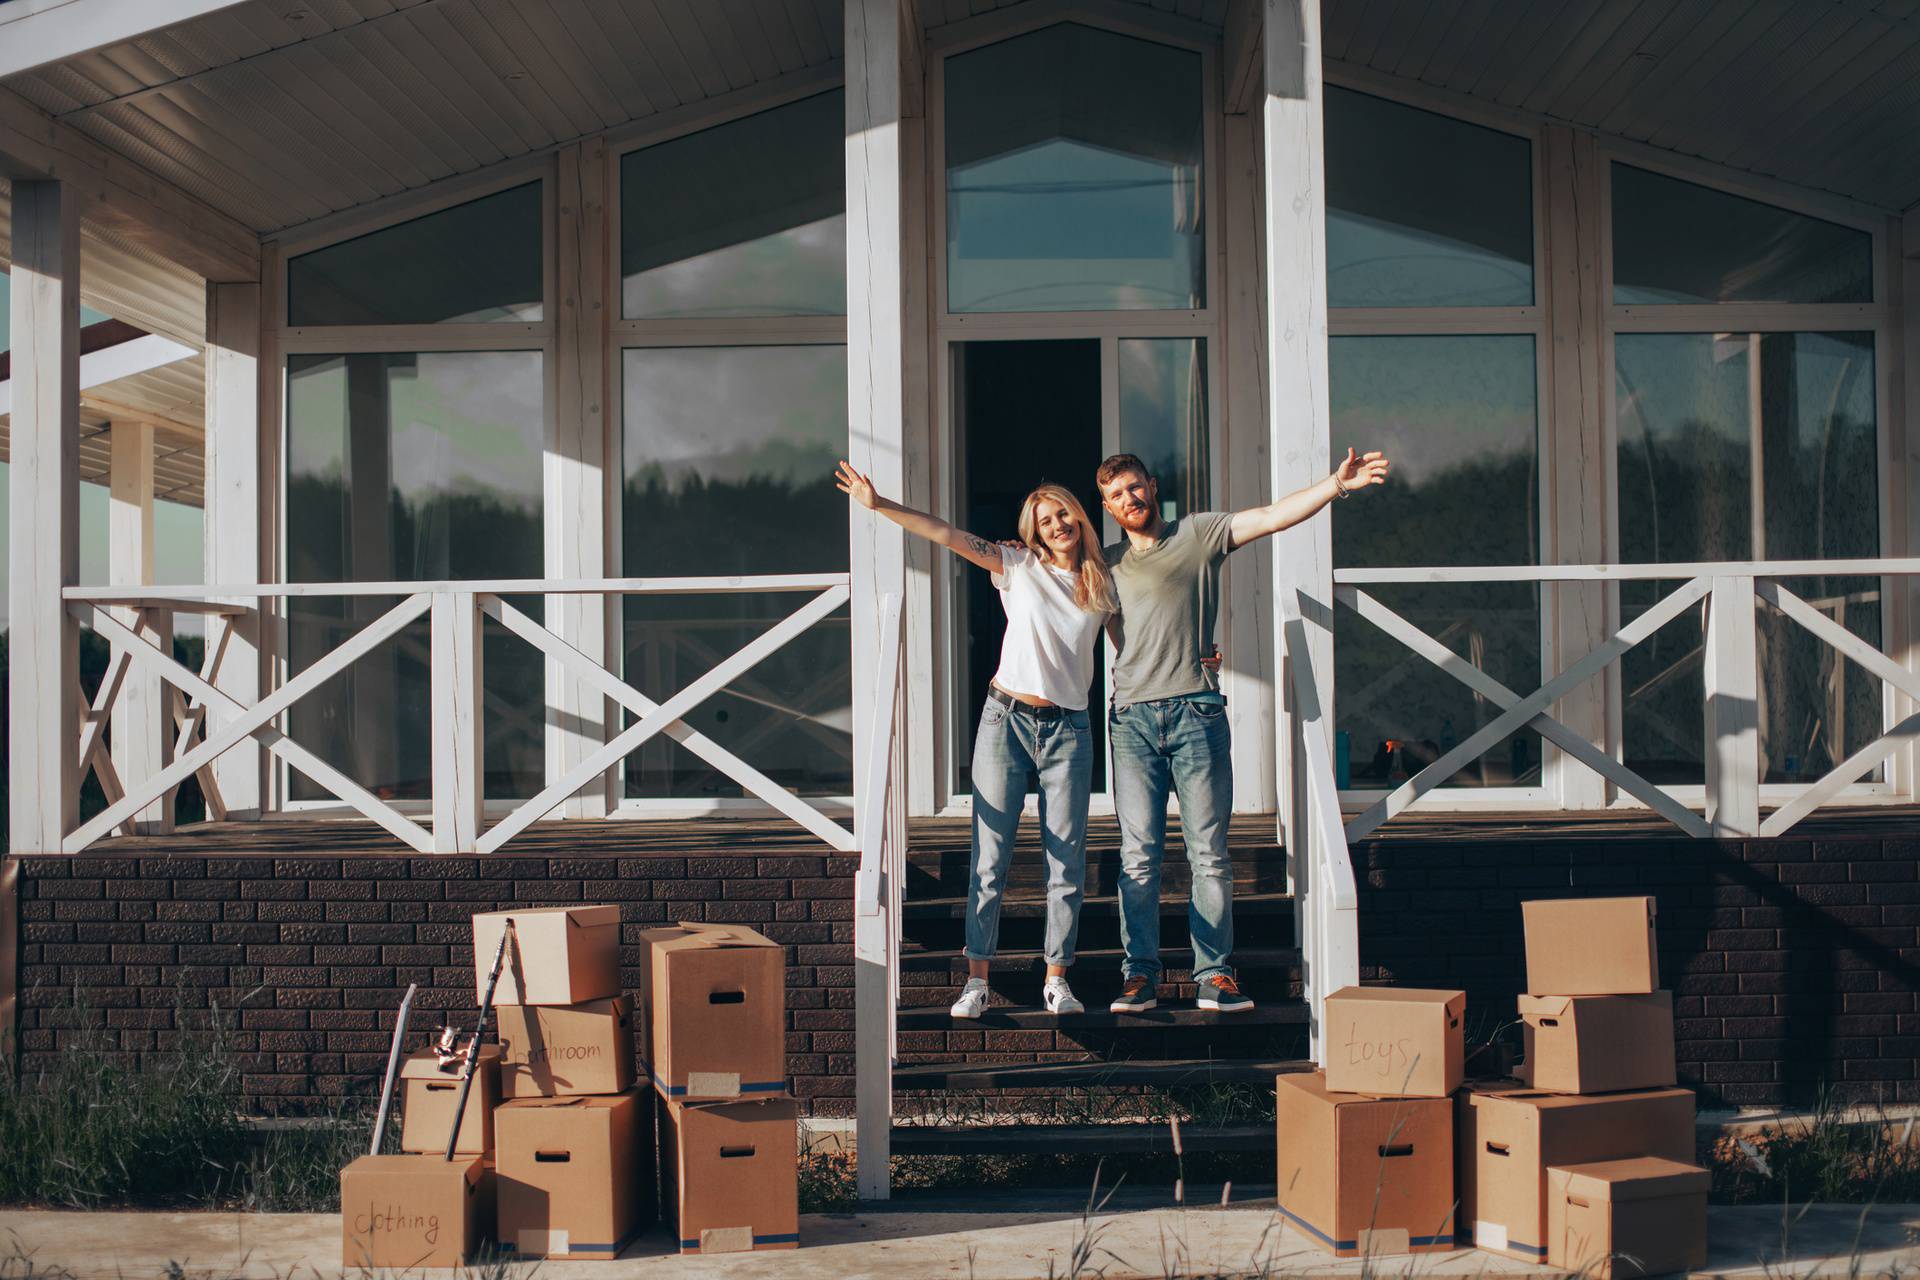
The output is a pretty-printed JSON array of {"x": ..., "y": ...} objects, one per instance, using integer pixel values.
[
  {"x": 473, "y": 1045},
  {"x": 393, "y": 1066}
]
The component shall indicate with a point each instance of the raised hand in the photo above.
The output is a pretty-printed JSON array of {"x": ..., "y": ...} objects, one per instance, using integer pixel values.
[
  {"x": 1360, "y": 470},
  {"x": 855, "y": 486}
]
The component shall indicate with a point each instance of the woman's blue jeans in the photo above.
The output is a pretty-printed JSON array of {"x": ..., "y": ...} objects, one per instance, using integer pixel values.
[{"x": 1056, "y": 750}]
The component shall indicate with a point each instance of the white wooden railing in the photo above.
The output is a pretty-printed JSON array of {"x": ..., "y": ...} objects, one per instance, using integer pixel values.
[
  {"x": 213, "y": 721},
  {"x": 879, "y": 888},
  {"x": 1729, "y": 593}
]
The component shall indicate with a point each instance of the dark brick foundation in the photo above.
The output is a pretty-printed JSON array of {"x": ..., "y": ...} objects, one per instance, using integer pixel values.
[
  {"x": 1794, "y": 963},
  {"x": 313, "y": 952}
]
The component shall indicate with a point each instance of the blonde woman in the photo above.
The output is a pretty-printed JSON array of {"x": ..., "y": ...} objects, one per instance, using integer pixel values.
[{"x": 1057, "y": 594}]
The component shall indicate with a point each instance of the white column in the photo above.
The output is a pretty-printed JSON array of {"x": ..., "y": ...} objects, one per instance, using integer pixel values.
[
  {"x": 1732, "y": 710},
  {"x": 1905, "y": 481},
  {"x": 577, "y": 456},
  {"x": 1577, "y": 611},
  {"x": 142, "y": 736},
  {"x": 459, "y": 757},
  {"x": 882, "y": 39},
  {"x": 43, "y": 519},
  {"x": 231, "y": 532}
]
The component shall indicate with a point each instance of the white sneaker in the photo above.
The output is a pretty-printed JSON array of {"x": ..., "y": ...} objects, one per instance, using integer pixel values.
[
  {"x": 1059, "y": 997},
  {"x": 973, "y": 999}
]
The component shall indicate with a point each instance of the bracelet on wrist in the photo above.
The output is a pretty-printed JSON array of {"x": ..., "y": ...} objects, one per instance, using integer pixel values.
[{"x": 1339, "y": 489}]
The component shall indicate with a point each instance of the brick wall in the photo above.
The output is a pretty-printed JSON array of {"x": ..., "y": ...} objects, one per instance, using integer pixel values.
[
  {"x": 313, "y": 952},
  {"x": 1793, "y": 963}
]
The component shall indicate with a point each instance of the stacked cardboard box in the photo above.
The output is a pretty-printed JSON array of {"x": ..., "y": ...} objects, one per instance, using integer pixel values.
[
  {"x": 1587, "y": 1160},
  {"x": 714, "y": 1040},
  {"x": 1366, "y": 1146}
]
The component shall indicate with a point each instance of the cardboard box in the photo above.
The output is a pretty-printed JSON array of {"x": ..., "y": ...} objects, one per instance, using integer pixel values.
[
  {"x": 575, "y": 1175},
  {"x": 1597, "y": 1044},
  {"x": 729, "y": 1174},
  {"x": 1591, "y": 947},
  {"x": 1642, "y": 1217},
  {"x": 714, "y": 1002},
  {"x": 401, "y": 1213},
  {"x": 1395, "y": 1041},
  {"x": 431, "y": 1091},
  {"x": 549, "y": 1050},
  {"x": 1509, "y": 1135},
  {"x": 559, "y": 955},
  {"x": 1361, "y": 1175}
]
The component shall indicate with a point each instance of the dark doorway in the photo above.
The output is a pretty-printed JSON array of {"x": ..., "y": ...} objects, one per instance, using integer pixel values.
[{"x": 1024, "y": 413}]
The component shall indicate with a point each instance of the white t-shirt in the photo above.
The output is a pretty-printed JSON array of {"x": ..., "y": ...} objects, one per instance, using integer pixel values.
[{"x": 1048, "y": 651}]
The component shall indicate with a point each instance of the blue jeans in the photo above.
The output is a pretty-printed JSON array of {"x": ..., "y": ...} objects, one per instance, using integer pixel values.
[
  {"x": 1013, "y": 744},
  {"x": 1180, "y": 746}
]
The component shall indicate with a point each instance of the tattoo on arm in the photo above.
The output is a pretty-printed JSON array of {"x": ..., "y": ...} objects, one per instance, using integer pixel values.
[{"x": 980, "y": 546}]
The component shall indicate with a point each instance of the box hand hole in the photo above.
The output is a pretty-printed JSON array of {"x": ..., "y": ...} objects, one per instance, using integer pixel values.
[
  {"x": 1498, "y": 1148},
  {"x": 552, "y": 1157},
  {"x": 1549, "y": 1022},
  {"x": 1397, "y": 1149},
  {"x": 727, "y": 997},
  {"x": 436, "y": 1087},
  {"x": 1578, "y": 1202},
  {"x": 735, "y": 1153}
]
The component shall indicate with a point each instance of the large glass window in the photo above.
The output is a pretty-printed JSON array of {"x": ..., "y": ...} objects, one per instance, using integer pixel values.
[
  {"x": 1459, "y": 417},
  {"x": 1424, "y": 211},
  {"x": 1676, "y": 241},
  {"x": 476, "y": 262},
  {"x": 1074, "y": 174},
  {"x": 1749, "y": 446},
  {"x": 1163, "y": 416},
  {"x": 728, "y": 464},
  {"x": 744, "y": 219},
  {"x": 404, "y": 467}
]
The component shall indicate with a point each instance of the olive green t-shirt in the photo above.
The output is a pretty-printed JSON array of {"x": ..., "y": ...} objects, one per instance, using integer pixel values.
[{"x": 1169, "y": 596}]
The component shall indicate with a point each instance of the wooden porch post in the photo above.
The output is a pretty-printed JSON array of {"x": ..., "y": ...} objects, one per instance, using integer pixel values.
[
  {"x": 883, "y": 78},
  {"x": 142, "y": 731},
  {"x": 44, "y": 524},
  {"x": 1299, "y": 420},
  {"x": 231, "y": 532}
]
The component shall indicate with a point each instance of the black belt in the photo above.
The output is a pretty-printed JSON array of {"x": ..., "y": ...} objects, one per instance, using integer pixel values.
[{"x": 1038, "y": 713}]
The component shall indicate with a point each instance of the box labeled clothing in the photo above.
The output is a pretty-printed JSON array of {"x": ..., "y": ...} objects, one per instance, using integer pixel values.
[
  {"x": 1597, "y": 1044},
  {"x": 1395, "y": 1041},
  {"x": 575, "y": 1175},
  {"x": 1642, "y": 1217},
  {"x": 1591, "y": 947},
  {"x": 432, "y": 1091},
  {"x": 729, "y": 1174},
  {"x": 550, "y": 1050},
  {"x": 1364, "y": 1176},
  {"x": 558, "y": 955},
  {"x": 1509, "y": 1135},
  {"x": 401, "y": 1213},
  {"x": 714, "y": 1002}
]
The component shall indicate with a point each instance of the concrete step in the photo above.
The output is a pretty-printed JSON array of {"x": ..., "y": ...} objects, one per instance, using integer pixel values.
[
  {"x": 1018, "y": 1017},
  {"x": 1161, "y": 1073},
  {"x": 1075, "y": 1139},
  {"x": 1177, "y": 960},
  {"x": 1029, "y": 905}
]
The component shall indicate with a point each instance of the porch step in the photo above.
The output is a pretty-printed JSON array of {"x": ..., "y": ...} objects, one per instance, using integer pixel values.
[
  {"x": 1020, "y": 1017},
  {"x": 927, "y": 1076},
  {"x": 1174, "y": 959},
  {"x": 1075, "y": 1139},
  {"x": 955, "y": 908}
]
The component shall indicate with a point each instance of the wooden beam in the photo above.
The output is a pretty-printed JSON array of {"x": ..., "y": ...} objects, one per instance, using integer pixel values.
[
  {"x": 459, "y": 763},
  {"x": 117, "y": 193},
  {"x": 35, "y": 33},
  {"x": 43, "y": 519},
  {"x": 1240, "y": 63},
  {"x": 1732, "y": 709},
  {"x": 142, "y": 730},
  {"x": 232, "y": 503},
  {"x": 185, "y": 432}
]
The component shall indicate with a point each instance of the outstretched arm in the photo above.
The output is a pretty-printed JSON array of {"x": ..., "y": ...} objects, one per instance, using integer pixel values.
[
  {"x": 932, "y": 528},
  {"x": 1356, "y": 472}
]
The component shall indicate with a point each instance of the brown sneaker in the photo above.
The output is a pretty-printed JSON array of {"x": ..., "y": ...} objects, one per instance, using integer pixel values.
[
  {"x": 1222, "y": 994},
  {"x": 1137, "y": 996}
]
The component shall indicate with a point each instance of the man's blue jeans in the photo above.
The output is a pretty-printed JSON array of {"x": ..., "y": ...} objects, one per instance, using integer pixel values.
[
  {"x": 1182, "y": 747},
  {"x": 1057, "y": 750}
]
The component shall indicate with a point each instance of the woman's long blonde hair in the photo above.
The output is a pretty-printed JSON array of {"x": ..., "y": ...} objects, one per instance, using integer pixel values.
[{"x": 1094, "y": 589}]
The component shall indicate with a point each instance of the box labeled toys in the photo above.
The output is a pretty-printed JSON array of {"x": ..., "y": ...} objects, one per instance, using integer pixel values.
[
  {"x": 1510, "y": 1135},
  {"x": 1591, "y": 947},
  {"x": 551, "y": 1050},
  {"x": 575, "y": 1175},
  {"x": 729, "y": 1174},
  {"x": 714, "y": 1012},
  {"x": 432, "y": 1090},
  {"x": 1651, "y": 1211},
  {"x": 558, "y": 955},
  {"x": 1597, "y": 1044},
  {"x": 1398, "y": 1041},
  {"x": 1364, "y": 1176},
  {"x": 401, "y": 1213}
]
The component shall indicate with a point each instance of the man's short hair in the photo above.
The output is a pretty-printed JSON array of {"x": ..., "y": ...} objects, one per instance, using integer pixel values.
[{"x": 1119, "y": 464}]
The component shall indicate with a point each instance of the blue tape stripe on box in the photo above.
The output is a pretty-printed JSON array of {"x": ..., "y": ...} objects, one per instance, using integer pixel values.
[{"x": 790, "y": 1237}]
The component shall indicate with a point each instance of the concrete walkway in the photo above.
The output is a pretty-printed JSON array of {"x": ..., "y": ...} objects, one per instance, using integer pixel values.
[{"x": 984, "y": 1242}]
